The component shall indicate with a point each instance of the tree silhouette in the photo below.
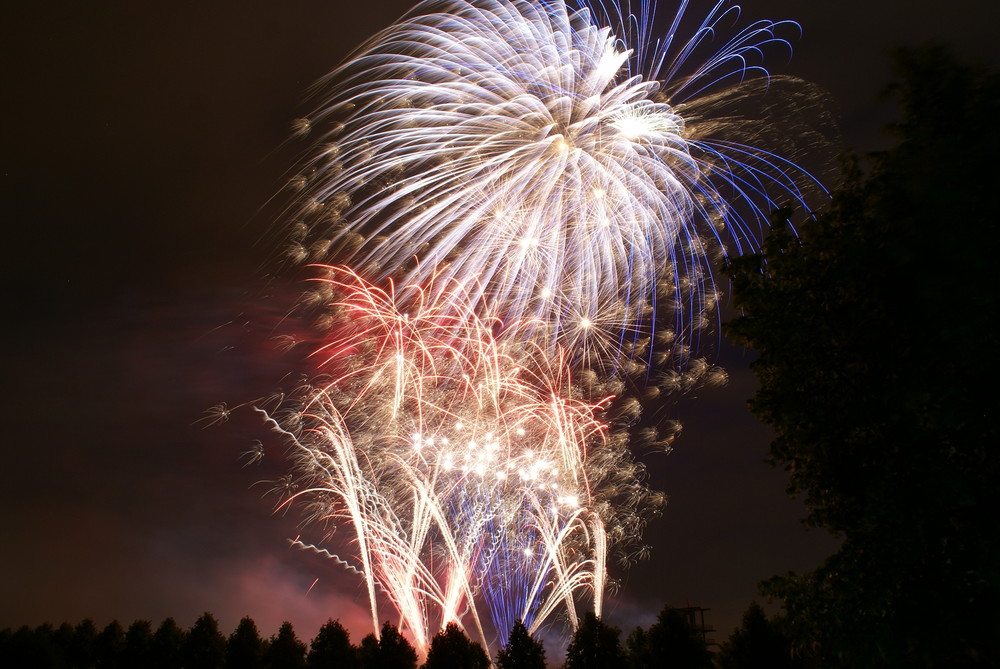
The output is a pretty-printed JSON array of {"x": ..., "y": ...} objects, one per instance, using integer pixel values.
[
  {"x": 62, "y": 640},
  {"x": 451, "y": 648},
  {"x": 245, "y": 648},
  {"x": 109, "y": 646},
  {"x": 594, "y": 645},
  {"x": 671, "y": 641},
  {"x": 285, "y": 651},
  {"x": 138, "y": 644},
  {"x": 673, "y": 638},
  {"x": 756, "y": 644},
  {"x": 390, "y": 650},
  {"x": 877, "y": 338},
  {"x": 83, "y": 648},
  {"x": 168, "y": 642},
  {"x": 331, "y": 648},
  {"x": 638, "y": 652},
  {"x": 204, "y": 646},
  {"x": 368, "y": 652},
  {"x": 6, "y": 648},
  {"x": 522, "y": 651},
  {"x": 29, "y": 647}
]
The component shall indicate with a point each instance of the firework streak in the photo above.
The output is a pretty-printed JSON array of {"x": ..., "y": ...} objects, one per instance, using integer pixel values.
[{"x": 524, "y": 198}]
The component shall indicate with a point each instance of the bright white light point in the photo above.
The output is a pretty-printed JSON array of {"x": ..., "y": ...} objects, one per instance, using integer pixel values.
[
  {"x": 527, "y": 552},
  {"x": 520, "y": 431},
  {"x": 585, "y": 323},
  {"x": 632, "y": 127},
  {"x": 459, "y": 425},
  {"x": 546, "y": 292},
  {"x": 599, "y": 193}
]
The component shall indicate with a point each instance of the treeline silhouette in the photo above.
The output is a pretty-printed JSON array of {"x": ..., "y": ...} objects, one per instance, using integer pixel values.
[{"x": 673, "y": 639}]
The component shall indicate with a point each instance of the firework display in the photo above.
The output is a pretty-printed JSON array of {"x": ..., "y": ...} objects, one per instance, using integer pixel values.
[
  {"x": 512, "y": 208},
  {"x": 465, "y": 466}
]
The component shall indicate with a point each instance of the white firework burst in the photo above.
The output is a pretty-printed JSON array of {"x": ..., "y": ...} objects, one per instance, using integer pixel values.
[{"x": 561, "y": 155}]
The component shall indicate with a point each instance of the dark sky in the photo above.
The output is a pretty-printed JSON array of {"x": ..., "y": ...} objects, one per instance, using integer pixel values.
[{"x": 140, "y": 148}]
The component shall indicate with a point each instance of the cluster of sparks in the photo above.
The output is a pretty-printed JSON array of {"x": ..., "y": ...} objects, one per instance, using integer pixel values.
[
  {"x": 463, "y": 464},
  {"x": 522, "y": 198}
]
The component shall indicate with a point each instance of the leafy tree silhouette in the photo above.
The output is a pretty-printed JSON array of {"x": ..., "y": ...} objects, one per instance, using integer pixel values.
[
  {"x": 670, "y": 641},
  {"x": 29, "y": 647},
  {"x": 168, "y": 642},
  {"x": 245, "y": 648},
  {"x": 594, "y": 645},
  {"x": 522, "y": 651},
  {"x": 62, "y": 640},
  {"x": 368, "y": 652},
  {"x": 138, "y": 644},
  {"x": 390, "y": 651},
  {"x": 674, "y": 638},
  {"x": 452, "y": 649},
  {"x": 6, "y": 649},
  {"x": 756, "y": 644},
  {"x": 638, "y": 653},
  {"x": 204, "y": 646},
  {"x": 83, "y": 647},
  {"x": 331, "y": 648},
  {"x": 876, "y": 335},
  {"x": 109, "y": 646},
  {"x": 285, "y": 651}
]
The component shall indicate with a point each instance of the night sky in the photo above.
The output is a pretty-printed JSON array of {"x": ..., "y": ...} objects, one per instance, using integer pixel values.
[{"x": 140, "y": 151}]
